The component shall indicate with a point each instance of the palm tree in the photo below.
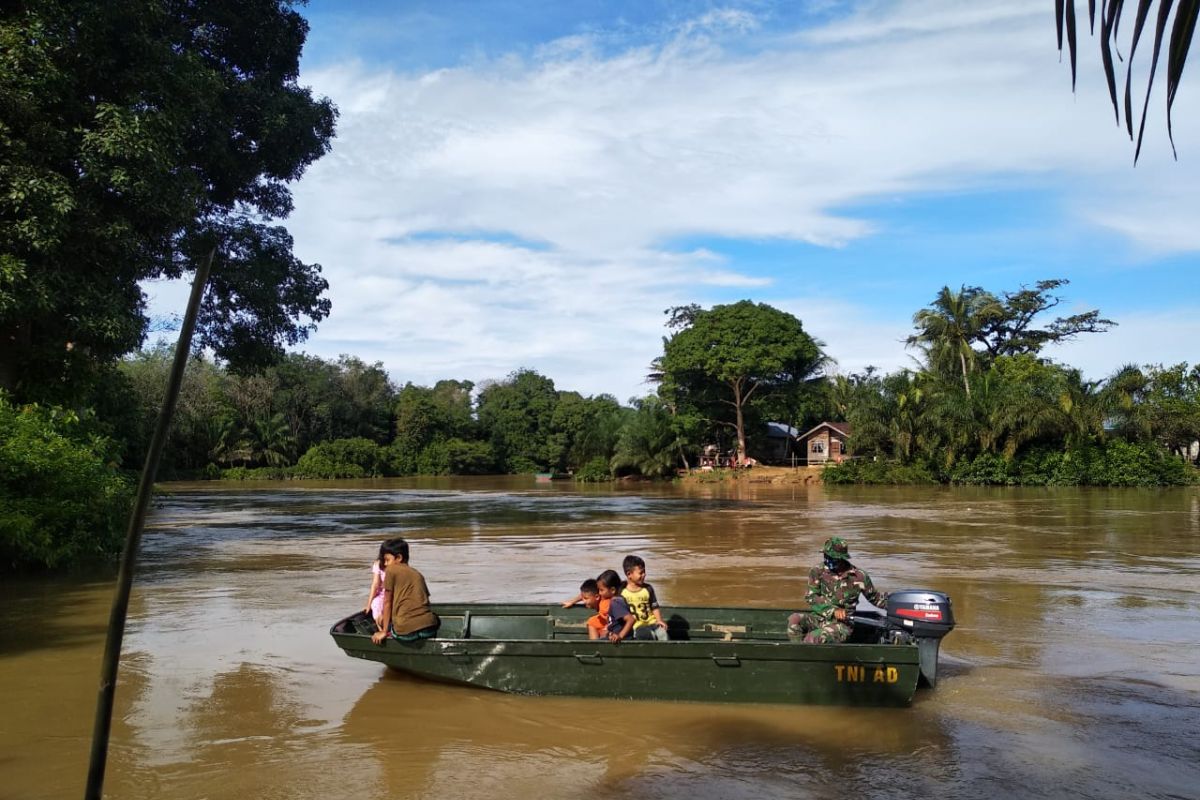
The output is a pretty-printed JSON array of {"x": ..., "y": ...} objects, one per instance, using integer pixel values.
[
  {"x": 946, "y": 425},
  {"x": 1111, "y": 14},
  {"x": 946, "y": 330},
  {"x": 648, "y": 443},
  {"x": 1031, "y": 413},
  {"x": 225, "y": 435},
  {"x": 1082, "y": 402},
  {"x": 271, "y": 440},
  {"x": 1123, "y": 400}
]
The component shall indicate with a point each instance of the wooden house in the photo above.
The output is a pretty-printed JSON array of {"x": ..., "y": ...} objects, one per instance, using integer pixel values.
[
  {"x": 824, "y": 443},
  {"x": 780, "y": 444}
]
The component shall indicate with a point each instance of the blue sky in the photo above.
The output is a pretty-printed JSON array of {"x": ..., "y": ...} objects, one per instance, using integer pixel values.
[{"x": 529, "y": 184}]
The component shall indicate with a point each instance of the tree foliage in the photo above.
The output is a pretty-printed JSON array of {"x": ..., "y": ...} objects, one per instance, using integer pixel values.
[
  {"x": 263, "y": 419},
  {"x": 967, "y": 330},
  {"x": 517, "y": 415},
  {"x": 134, "y": 138},
  {"x": 648, "y": 443},
  {"x": 721, "y": 362},
  {"x": 62, "y": 499},
  {"x": 986, "y": 407}
]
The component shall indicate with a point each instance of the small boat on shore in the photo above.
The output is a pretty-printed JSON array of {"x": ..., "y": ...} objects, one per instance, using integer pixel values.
[
  {"x": 739, "y": 655},
  {"x": 546, "y": 477}
]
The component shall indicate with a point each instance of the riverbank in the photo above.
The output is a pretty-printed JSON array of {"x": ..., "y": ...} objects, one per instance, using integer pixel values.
[{"x": 758, "y": 474}]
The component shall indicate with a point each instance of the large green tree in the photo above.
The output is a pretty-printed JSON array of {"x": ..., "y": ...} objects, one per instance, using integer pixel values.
[
  {"x": 1172, "y": 406},
  {"x": 729, "y": 356},
  {"x": 517, "y": 416},
  {"x": 967, "y": 330},
  {"x": 135, "y": 136},
  {"x": 432, "y": 425}
]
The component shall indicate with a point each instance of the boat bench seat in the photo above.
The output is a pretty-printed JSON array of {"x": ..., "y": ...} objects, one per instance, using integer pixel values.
[
  {"x": 509, "y": 627},
  {"x": 682, "y": 629},
  {"x": 538, "y": 626}
]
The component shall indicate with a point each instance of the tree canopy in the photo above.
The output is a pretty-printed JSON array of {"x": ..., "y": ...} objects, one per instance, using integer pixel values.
[
  {"x": 134, "y": 138},
  {"x": 972, "y": 327},
  {"x": 722, "y": 359}
]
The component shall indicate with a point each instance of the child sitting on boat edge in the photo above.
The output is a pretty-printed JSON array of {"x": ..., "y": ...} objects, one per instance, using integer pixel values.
[{"x": 406, "y": 612}]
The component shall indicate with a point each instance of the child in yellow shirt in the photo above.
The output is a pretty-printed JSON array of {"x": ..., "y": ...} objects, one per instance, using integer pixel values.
[{"x": 642, "y": 601}]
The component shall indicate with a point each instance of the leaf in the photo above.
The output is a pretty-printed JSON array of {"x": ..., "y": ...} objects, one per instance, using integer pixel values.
[
  {"x": 1181, "y": 40},
  {"x": 1164, "y": 11},
  {"x": 1071, "y": 37},
  {"x": 1059, "y": 10},
  {"x": 1107, "y": 23},
  {"x": 1140, "y": 21}
]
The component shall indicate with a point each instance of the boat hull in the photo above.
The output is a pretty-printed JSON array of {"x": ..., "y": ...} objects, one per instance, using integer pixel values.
[{"x": 714, "y": 655}]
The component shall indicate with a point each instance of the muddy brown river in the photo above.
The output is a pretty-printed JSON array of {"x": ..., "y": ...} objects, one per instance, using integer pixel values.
[{"x": 1074, "y": 670}]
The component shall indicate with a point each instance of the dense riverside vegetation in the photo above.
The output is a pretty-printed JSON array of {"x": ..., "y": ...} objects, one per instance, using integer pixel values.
[
  {"x": 310, "y": 418},
  {"x": 984, "y": 407}
]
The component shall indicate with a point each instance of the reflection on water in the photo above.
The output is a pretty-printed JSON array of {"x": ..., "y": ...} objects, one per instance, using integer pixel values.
[
  {"x": 1073, "y": 672},
  {"x": 563, "y": 745}
]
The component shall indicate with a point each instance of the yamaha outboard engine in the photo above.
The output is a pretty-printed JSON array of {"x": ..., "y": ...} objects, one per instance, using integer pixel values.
[
  {"x": 922, "y": 617},
  {"x": 914, "y": 616}
]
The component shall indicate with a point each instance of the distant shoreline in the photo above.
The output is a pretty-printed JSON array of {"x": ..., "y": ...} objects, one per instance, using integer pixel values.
[{"x": 809, "y": 476}]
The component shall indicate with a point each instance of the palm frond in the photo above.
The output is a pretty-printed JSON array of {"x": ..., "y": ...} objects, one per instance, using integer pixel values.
[{"x": 1111, "y": 13}]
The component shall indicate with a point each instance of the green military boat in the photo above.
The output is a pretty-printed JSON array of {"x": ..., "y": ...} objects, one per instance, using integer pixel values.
[{"x": 739, "y": 655}]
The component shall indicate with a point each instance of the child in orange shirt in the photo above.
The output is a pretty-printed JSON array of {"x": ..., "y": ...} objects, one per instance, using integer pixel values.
[{"x": 597, "y": 594}]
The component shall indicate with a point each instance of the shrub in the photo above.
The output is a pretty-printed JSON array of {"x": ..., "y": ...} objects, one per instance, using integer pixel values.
[
  {"x": 1121, "y": 463},
  {"x": 520, "y": 465},
  {"x": 62, "y": 499},
  {"x": 1113, "y": 463},
  {"x": 864, "y": 471},
  {"x": 256, "y": 473},
  {"x": 594, "y": 471},
  {"x": 1038, "y": 466},
  {"x": 443, "y": 457},
  {"x": 469, "y": 458},
  {"x": 342, "y": 458},
  {"x": 986, "y": 469}
]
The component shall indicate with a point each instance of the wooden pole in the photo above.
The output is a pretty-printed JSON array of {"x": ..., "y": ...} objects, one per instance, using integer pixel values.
[{"x": 133, "y": 538}]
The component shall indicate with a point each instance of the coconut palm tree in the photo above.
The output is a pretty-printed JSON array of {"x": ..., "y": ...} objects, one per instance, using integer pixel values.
[
  {"x": 947, "y": 329},
  {"x": 648, "y": 442}
]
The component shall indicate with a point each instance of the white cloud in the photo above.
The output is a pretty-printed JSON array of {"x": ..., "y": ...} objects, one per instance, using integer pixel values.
[
  {"x": 560, "y": 179},
  {"x": 1165, "y": 337}
]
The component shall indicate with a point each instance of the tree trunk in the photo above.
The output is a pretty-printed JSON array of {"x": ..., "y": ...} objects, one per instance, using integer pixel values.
[
  {"x": 741, "y": 424},
  {"x": 962, "y": 358}
]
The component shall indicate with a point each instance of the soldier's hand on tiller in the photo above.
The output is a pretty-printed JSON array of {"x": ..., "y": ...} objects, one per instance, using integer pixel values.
[{"x": 839, "y": 614}]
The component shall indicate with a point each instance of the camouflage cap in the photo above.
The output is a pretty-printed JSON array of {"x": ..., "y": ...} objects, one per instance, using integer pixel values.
[{"x": 836, "y": 547}]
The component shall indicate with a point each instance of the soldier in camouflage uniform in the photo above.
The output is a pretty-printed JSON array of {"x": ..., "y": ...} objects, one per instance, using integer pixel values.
[{"x": 833, "y": 591}]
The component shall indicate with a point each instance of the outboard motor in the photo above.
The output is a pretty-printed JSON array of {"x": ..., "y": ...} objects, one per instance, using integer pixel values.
[{"x": 922, "y": 617}]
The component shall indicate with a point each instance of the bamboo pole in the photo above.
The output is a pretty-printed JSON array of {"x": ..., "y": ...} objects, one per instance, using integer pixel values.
[{"x": 133, "y": 538}]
